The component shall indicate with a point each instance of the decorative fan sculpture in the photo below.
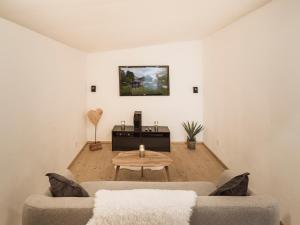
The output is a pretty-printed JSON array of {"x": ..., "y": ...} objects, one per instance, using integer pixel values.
[{"x": 94, "y": 117}]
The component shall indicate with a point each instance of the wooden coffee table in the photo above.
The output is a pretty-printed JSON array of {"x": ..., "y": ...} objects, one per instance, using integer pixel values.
[{"x": 151, "y": 159}]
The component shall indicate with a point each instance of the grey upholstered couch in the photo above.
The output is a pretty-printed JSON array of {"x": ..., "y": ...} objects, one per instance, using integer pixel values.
[{"x": 209, "y": 210}]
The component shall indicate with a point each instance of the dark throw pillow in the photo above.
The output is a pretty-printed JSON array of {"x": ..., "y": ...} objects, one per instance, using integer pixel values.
[
  {"x": 63, "y": 187},
  {"x": 237, "y": 186}
]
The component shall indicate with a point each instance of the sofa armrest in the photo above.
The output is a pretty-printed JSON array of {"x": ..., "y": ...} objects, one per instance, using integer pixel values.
[
  {"x": 230, "y": 210},
  {"x": 45, "y": 210}
]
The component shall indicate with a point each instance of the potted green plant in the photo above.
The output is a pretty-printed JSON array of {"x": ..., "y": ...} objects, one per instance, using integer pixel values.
[{"x": 192, "y": 129}]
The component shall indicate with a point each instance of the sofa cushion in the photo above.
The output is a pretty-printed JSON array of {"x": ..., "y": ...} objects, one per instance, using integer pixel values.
[
  {"x": 237, "y": 186},
  {"x": 227, "y": 175},
  {"x": 63, "y": 187},
  {"x": 64, "y": 172},
  {"x": 202, "y": 188}
]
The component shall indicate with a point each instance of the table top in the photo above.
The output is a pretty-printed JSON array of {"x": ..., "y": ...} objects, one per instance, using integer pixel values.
[
  {"x": 161, "y": 129},
  {"x": 151, "y": 159}
]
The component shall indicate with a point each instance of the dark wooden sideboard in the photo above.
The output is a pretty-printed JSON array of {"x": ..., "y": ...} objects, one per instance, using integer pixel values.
[{"x": 128, "y": 139}]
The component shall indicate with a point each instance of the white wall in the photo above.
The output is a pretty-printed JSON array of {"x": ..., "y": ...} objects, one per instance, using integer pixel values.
[
  {"x": 251, "y": 100},
  {"x": 42, "y": 115},
  {"x": 184, "y": 59}
]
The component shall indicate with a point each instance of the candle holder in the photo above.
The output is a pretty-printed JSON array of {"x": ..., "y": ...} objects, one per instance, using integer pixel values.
[
  {"x": 142, "y": 151},
  {"x": 123, "y": 125},
  {"x": 156, "y": 126}
]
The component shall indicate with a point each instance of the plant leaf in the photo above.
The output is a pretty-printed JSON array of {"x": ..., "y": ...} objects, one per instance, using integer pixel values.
[{"x": 192, "y": 129}]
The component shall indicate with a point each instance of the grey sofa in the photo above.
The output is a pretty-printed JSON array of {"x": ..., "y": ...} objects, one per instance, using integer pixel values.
[{"x": 209, "y": 210}]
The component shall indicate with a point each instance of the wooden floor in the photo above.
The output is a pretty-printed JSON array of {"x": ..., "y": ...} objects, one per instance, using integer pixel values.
[{"x": 196, "y": 165}]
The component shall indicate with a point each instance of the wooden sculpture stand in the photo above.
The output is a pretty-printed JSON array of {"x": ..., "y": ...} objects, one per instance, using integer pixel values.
[
  {"x": 94, "y": 116},
  {"x": 94, "y": 146}
]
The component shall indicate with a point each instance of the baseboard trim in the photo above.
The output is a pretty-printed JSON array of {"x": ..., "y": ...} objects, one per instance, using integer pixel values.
[
  {"x": 172, "y": 142},
  {"x": 106, "y": 142},
  {"x": 77, "y": 155},
  {"x": 183, "y": 142},
  {"x": 103, "y": 142},
  {"x": 178, "y": 142},
  {"x": 215, "y": 156}
]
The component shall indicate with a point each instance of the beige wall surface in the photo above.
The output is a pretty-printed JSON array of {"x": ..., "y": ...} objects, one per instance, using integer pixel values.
[
  {"x": 42, "y": 115},
  {"x": 184, "y": 59},
  {"x": 251, "y": 100}
]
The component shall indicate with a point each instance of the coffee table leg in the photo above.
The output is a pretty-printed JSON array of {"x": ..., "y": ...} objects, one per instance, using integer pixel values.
[
  {"x": 167, "y": 172},
  {"x": 117, "y": 172},
  {"x": 142, "y": 171}
]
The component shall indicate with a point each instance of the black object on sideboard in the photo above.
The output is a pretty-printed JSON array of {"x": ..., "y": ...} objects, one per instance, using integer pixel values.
[
  {"x": 128, "y": 139},
  {"x": 137, "y": 121}
]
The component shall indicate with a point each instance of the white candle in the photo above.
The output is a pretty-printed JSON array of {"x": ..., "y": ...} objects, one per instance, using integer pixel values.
[{"x": 142, "y": 151}]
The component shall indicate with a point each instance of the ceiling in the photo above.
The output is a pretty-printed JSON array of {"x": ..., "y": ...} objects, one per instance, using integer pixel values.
[{"x": 99, "y": 25}]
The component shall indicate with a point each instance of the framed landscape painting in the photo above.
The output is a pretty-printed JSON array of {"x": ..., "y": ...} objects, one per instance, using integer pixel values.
[{"x": 144, "y": 80}]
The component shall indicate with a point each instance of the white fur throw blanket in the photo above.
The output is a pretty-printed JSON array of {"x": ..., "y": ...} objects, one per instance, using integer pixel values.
[{"x": 143, "y": 207}]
